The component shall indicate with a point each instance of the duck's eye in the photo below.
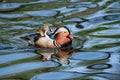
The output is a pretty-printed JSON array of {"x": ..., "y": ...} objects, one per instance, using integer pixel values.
[{"x": 64, "y": 32}]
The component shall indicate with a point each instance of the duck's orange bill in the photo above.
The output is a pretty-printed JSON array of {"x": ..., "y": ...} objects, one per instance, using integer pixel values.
[{"x": 70, "y": 36}]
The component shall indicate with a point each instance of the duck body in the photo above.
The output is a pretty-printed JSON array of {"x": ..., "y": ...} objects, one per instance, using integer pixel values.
[
  {"x": 40, "y": 41},
  {"x": 45, "y": 42},
  {"x": 61, "y": 37},
  {"x": 31, "y": 38}
]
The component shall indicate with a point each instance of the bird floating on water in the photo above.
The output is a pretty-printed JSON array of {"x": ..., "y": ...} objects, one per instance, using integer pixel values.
[{"x": 60, "y": 37}]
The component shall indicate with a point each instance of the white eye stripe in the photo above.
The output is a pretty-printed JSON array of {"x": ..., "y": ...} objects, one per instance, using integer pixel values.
[{"x": 61, "y": 30}]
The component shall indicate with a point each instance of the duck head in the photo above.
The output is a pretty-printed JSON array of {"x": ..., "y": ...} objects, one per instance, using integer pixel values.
[{"x": 63, "y": 37}]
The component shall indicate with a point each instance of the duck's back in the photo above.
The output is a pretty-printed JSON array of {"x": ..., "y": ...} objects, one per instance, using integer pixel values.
[{"x": 32, "y": 38}]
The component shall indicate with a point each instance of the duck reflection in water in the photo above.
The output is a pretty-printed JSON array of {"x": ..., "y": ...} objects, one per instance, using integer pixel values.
[{"x": 60, "y": 55}]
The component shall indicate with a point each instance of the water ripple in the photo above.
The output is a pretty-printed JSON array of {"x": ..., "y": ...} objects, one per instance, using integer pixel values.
[
  {"x": 45, "y": 13},
  {"x": 115, "y": 5},
  {"x": 84, "y": 4},
  {"x": 9, "y": 6},
  {"x": 26, "y": 67},
  {"x": 6, "y": 7},
  {"x": 95, "y": 26},
  {"x": 90, "y": 56},
  {"x": 16, "y": 56},
  {"x": 56, "y": 75},
  {"x": 100, "y": 66}
]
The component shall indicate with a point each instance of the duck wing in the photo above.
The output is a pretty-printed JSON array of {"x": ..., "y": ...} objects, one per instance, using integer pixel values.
[{"x": 31, "y": 38}]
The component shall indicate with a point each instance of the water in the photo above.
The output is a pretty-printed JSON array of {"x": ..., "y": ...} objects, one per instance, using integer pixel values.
[{"x": 95, "y": 25}]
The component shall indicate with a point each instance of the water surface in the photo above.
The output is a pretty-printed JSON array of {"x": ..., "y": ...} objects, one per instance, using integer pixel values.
[{"x": 95, "y": 25}]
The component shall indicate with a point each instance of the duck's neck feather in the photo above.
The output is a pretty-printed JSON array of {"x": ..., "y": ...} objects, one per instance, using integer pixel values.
[{"x": 54, "y": 42}]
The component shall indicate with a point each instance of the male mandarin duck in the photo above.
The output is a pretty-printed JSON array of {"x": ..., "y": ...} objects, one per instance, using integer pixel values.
[{"x": 60, "y": 37}]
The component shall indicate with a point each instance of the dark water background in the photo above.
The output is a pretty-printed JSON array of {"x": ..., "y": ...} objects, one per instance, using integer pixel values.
[{"x": 95, "y": 25}]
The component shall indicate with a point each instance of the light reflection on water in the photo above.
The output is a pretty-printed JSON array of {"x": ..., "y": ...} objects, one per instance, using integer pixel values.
[{"x": 96, "y": 46}]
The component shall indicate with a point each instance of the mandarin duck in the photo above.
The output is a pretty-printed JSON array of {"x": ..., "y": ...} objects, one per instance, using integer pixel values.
[{"x": 60, "y": 37}]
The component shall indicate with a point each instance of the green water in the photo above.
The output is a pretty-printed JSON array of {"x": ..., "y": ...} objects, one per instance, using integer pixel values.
[{"x": 94, "y": 24}]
